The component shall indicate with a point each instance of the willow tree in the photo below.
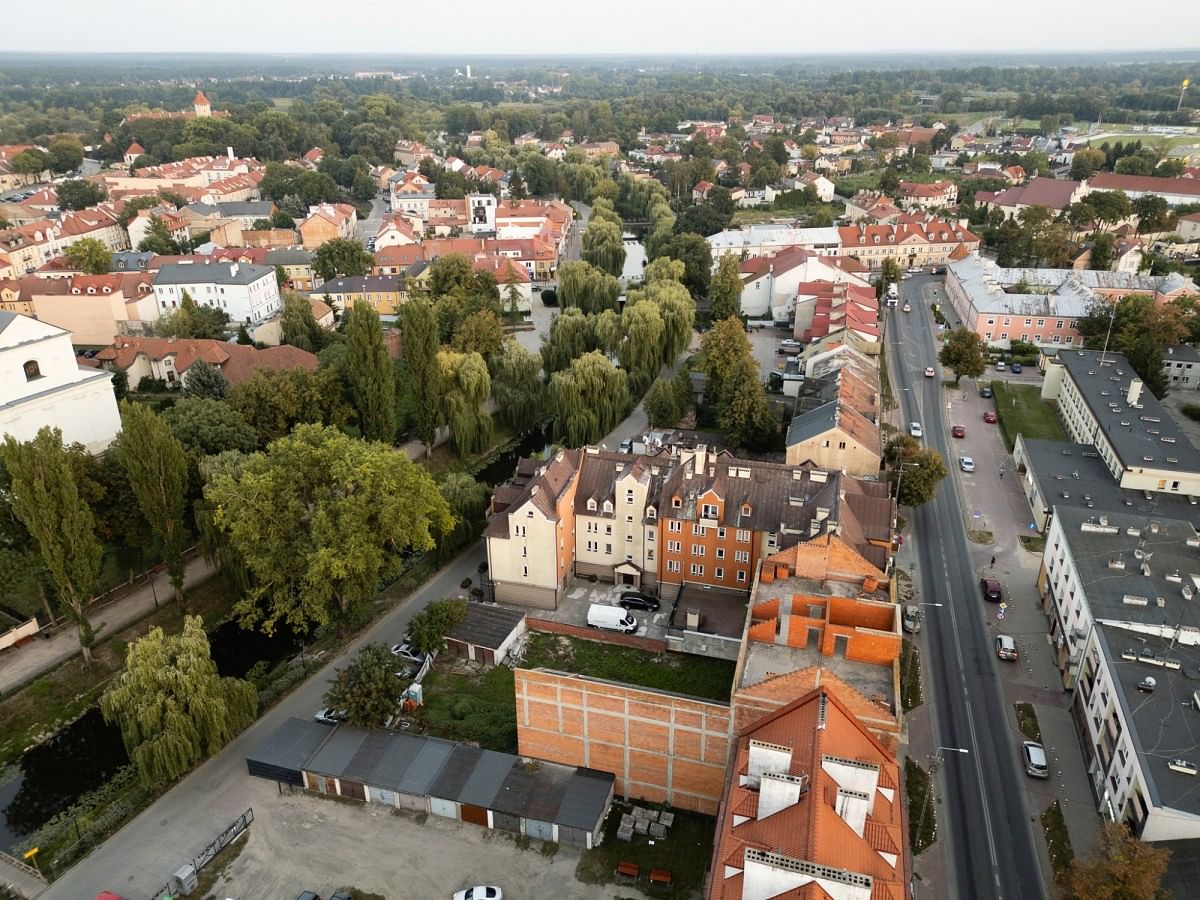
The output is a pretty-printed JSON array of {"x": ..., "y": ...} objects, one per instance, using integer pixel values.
[
  {"x": 570, "y": 336},
  {"x": 371, "y": 374},
  {"x": 607, "y": 331},
  {"x": 157, "y": 466},
  {"x": 468, "y": 500},
  {"x": 587, "y": 287},
  {"x": 46, "y": 497},
  {"x": 677, "y": 309},
  {"x": 466, "y": 386},
  {"x": 517, "y": 387},
  {"x": 587, "y": 400},
  {"x": 641, "y": 350},
  {"x": 172, "y": 706},
  {"x": 603, "y": 246},
  {"x": 320, "y": 520},
  {"x": 419, "y": 331},
  {"x": 604, "y": 211},
  {"x": 663, "y": 269}
]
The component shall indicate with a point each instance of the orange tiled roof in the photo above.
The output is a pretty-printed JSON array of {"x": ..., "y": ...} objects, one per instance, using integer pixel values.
[{"x": 237, "y": 362}]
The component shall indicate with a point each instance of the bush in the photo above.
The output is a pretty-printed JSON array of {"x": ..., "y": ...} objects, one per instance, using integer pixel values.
[
  {"x": 549, "y": 297},
  {"x": 428, "y": 628},
  {"x": 1192, "y": 411}
]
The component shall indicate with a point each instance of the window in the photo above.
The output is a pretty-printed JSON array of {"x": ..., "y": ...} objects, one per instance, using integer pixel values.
[
  {"x": 629, "y": 520},
  {"x": 991, "y": 321},
  {"x": 674, "y": 546},
  {"x": 1029, "y": 321},
  {"x": 674, "y": 526},
  {"x": 742, "y": 556},
  {"x": 1007, "y": 320},
  {"x": 745, "y": 509},
  {"x": 650, "y": 512},
  {"x": 988, "y": 335},
  {"x": 519, "y": 530},
  {"x": 841, "y": 445},
  {"x": 1059, "y": 324},
  {"x": 743, "y": 536},
  {"x": 673, "y": 565},
  {"x": 708, "y": 511},
  {"x": 591, "y": 545},
  {"x": 32, "y": 370},
  {"x": 608, "y": 529},
  {"x": 697, "y": 549},
  {"x": 697, "y": 530},
  {"x": 1041, "y": 323},
  {"x": 650, "y": 535},
  {"x": 591, "y": 505},
  {"x": 720, "y": 553},
  {"x": 697, "y": 570},
  {"x": 741, "y": 576},
  {"x": 608, "y": 549},
  {"x": 525, "y": 571},
  {"x": 629, "y": 497},
  {"x": 650, "y": 554},
  {"x": 718, "y": 572},
  {"x": 720, "y": 534},
  {"x": 676, "y": 502}
]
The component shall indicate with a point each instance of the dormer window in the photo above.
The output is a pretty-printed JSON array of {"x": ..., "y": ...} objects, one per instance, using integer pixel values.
[
  {"x": 651, "y": 513},
  {"x": 91, "y": 290},
  {"x": 745, "y": 509},
  {"x": 608, "y": 506},
  {"x": 32, "y": 370},
  {"x": 676, "y": 503},
  {"x": 591, "y": 505}
]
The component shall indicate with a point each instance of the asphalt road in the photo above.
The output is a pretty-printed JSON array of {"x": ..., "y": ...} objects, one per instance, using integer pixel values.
[{"x": 982, "y": 813}]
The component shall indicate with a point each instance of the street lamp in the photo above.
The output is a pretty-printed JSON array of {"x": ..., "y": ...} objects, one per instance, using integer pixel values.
[
  {"x": 938, "y": 754},
  {"x": 929, "y": 789},
  {"x": 934, "y": 604}
]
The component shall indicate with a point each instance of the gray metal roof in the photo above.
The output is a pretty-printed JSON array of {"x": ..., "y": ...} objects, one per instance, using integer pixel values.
[
  {"x": 238, "y": 208},
  {"x": 486, "y": 626},
  {"x": 289, "y": 256},
  {"x": 813, "y": 422},
  {"x": 335, "y": 755},
  {"x": 230, "y": 273},
  {"x": 491, "y": 768},
  {"x": 6, "y": 318},
  {"x": 131, "y": 261},
  {"x": 425, "y": 764},
  {"x": 1180, "y": 353},
  {"x": 291, "y": 745},
  {"x": 586, "y": 792},
  {"x": 1143, "y": 436},
  {"x": 363, "y": 284}
]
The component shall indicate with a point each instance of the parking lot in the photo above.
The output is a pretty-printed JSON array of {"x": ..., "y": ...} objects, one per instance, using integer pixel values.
[
  {"x": 573, "y": 608},
  {"x": 302, "y": 841}
]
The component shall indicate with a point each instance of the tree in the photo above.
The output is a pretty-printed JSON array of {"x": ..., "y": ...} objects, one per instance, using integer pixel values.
[
  {"x": 725, "y": 293},
  {"x": 371, "y": 375},
  {"x": 31, "y": 163},
  {"x": 1121, "y": 868},
  {"x": 90, "y": 256},
  {"x": 320, "y": 520},
  {"x": 341, "y": 256},
  {"x": 172, "y": 706},
  {"x": 297, "y": 325},
  {"x": 702, "y": 219},
  {"x": 66, "y": 154},
  {"x": 571, "y": 335},
  {"x": 665, "y": 403},
  {"x": 743, "y": 411},
  {"x": 275, "y": 402},
  {"x": 367, "y": 690},
  {"x": 889, "y": 273},
  {"x": 889, "y": 180},
  {"x": 589, "y": 288},
  {"x": 516, "y": 187},
  {"x": 420, "y": 339},
  {"x": 1153, "y": 213},
  {"x": 1139, "y": 329},
  {"x": 47, "y": 497},
  {"x": 1103, "y": 245},
  {"x": 1086, "y": 163},
  {"x": 428, "y": 629},
  {"x": 517, "y": 387},
  {"x": 158, "y": 474},
  {"x": 480, "y": 332},
  {"x": 468, "y": 500},
  {"x": 696, "y": 255},
  {"x": 721, "y": 348},
  {"x": 193, "y": 320},
  {"x": 587, "y": 399},
  {"x": 78, "y": 194},
  {"x": 917, "y": 469},
  {"x": 963, "y": 354},
  {"x": 663, "y": 269},
  {"x": 465, "y": 387},
  {"x": 449, "y": 274},
  {"x": 640, "y": 347},
  {"x": 603, "y": 246},
  {"x": 158, "y": 239},
  {"x": 204, "y": 380},
  {"x": 206, "y": 427}
]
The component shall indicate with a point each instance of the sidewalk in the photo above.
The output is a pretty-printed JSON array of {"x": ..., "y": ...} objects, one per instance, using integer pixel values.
[{"x": 23, "y": 664}]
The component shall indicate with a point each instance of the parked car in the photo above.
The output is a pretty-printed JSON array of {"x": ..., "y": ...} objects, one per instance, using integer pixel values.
[
  {"x": 308, "y": 895},
  {"x": 915, "y": 429},
  {"x": 1015, "y": 368},
  {"x": 1006, "y": 647},
  {"x": 958, "y": 431},
  {"x": 911, "y": 619},
  {"x": 966, "y": 464},
  {"x": 1001, "y": 367},
  {"x": 638, "y": 600},
  {"x": 1036, "y": 763},
  {"x": 405, "y": 650},
  {"x": 985, "y": 393},
  {"x": 989, "y": 417},
  {"x": 929, "y": 372},
  {"x": 991, "y": 589},
  {"x": 480, "y": 892},
  {"x": 328, "y": 716},
  {"x": 791, "y": 344},
  {"x": 626, "y": 446},
  {"x": 341, "y": 895}
]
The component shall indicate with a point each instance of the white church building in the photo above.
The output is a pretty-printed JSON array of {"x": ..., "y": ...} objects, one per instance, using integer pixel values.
[{"x": 42, "y": 384}]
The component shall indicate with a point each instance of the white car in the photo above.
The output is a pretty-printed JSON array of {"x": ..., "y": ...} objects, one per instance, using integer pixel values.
[
  {"x": 915, "y": 429},
  {"x": 480, "y": 892},
  {"x": 405, "y": 650},
  {"x": 330, "y": 716},
  {"x": 967, "y": 464},
  {"x": 929, "y": 372},
  {"x": 791, "y": 344}
]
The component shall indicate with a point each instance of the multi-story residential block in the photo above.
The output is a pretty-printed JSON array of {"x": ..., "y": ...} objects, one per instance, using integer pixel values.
[
  {"x": 1102, "y": 402},
  {"x": 327, "y": 221},
  {"x": 1181, "y": 366},
  {"x": 384, "y": 293},
  {"x": 42, "y": 385},
  {"x": 297, "y": 267},
  {"x": 248, "y": 293},
  {"x": 926, "y": 196}
]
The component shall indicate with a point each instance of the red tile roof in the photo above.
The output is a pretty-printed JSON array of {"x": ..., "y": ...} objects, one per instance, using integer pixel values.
[
  {"x": 237, "y": 362},
  {"x": 1148, "y": 184}
]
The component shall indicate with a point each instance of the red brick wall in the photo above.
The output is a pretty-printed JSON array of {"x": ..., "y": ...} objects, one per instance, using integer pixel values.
[
  {"x": 596, "y": 634},
  {"x": 661, "y": 747}
]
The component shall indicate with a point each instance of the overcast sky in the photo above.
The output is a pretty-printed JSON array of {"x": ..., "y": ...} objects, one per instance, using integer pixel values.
[{"x": 535, "y": 27}]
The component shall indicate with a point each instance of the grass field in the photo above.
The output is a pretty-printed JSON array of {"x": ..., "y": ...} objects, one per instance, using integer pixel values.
[
  {"x": 678, "y": 673},
  {"x": 1022, "y": 410},
  {"x": 474, "y": 706}
]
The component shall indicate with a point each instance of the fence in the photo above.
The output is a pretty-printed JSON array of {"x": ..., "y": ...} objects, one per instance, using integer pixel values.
[{"x": 230, "y": 834}]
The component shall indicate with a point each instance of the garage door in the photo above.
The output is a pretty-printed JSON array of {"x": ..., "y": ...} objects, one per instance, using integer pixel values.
[
  {"x": 412, "y": 801},
  {"x": 572, "y": 837},
  {"x": 381, "y": 795},
  {"x": 446, "y": 808},
  {"x": 353, "y": 789},
  {"x": 543, "y": 831},
  {"x": 476, "y": 815},
  {"x": 506, "y": 822}
]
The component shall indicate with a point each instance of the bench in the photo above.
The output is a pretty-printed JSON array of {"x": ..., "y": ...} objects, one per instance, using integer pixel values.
[
  {"x": 661, "y": 876},
  {"x": 631, "y": 870}
]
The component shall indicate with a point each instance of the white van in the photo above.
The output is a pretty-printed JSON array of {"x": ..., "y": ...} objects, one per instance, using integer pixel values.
[
  {"x": 893, "y": 295},
  {"x": 612, "y": 618}
]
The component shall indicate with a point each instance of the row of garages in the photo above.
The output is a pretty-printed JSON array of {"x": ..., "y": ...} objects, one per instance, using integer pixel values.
[{"x": 425, "y": 774}]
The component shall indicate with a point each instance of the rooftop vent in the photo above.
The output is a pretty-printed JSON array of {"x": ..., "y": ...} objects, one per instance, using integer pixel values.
[
  {"x": 1130, "y": 655},
  {"x": 1182, "y": 766},
  {"x": 1147, "y": 684},
  {"x": 1132, "y": 599}
]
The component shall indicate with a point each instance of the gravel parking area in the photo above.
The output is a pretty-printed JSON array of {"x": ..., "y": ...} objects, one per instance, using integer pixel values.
[{"x": 306, "y": 842}]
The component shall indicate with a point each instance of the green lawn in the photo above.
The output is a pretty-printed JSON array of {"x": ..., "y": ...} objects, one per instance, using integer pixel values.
[
  {"x": 678, "y": 673},
  {"x": 1027, "y": 721},
  {"x": 685, "y": 852},
  {"x": 910, "y": 676},
  {"x": 1058, "y": 840},
  {"x": 922, "y": 823},
  {"x": 475, "y": 706},
  {"x": 1022, "y": 410}
]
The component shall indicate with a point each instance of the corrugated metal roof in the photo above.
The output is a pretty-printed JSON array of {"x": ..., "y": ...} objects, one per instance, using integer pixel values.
[
  {"x": 291, "y": 745},
  {"x": 336, "y": 753},
  {"x": 586, "y": 792},
  {"x": 431, "y": 755},
  {"x": 491, "y": 768}
]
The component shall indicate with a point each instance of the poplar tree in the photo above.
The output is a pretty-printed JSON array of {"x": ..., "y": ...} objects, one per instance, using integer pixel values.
[
  {"x": 725, "y": 292},
  {"x": 420, "y": 337},
  {"x": 371, "y": 374},
  {"x": 158, "y": 473},
  {"x": 45, "y": 496},
  {"x": 172, "y": 706}
]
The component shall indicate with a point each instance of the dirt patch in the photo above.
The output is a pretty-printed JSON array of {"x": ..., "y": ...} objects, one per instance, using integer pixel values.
[
  {"x": 906, "y": 591},
  {"x": 922, "y": 823},
  {"x": 910, "y": 676},
  {"x": 981, "y": 537}
]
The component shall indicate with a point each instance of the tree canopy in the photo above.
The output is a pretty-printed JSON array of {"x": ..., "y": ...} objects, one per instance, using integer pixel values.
[
  {"x": 341, "y": 256},
  {"x": 918, "y": 470},
  {"x": 90, "y": 256},
  {"x": 371, "y": 375},
  {"x": 367, "y": 690},
  {"x": 587, "y": 399},
  {"x": 962, "y": 354}
]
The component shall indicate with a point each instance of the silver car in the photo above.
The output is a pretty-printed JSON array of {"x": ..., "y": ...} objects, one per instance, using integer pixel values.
[
  {"x": 966, "y": 464},
  {"x": 1036, "y": 763},
  {"x": 915, "y": 429}
]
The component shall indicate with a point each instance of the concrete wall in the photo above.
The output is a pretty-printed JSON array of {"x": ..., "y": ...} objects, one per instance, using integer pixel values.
[{"x": 662, "y": 747}]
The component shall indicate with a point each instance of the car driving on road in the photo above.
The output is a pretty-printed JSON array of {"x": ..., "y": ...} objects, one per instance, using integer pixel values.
[
  {"x": 989, "y": 417},
  {"x": 958, "y": 431},
  {"x": 915, "y": 429},
  {"x": 966, "y": 464},
  {"x": 929, "y": 372}
]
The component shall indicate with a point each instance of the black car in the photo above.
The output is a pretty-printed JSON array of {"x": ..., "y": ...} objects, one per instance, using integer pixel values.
[
  {"x": 985, "y": 393},
  {"x": 638, "y": 600}
]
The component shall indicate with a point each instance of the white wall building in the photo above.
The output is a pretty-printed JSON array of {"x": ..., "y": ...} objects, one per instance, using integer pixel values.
[
  {"x": 248, "y": 293},
  {"x": 41, "y": 384}
]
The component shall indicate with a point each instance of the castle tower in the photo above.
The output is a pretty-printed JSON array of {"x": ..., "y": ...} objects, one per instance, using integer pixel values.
[{"x": 202, "y": 106}]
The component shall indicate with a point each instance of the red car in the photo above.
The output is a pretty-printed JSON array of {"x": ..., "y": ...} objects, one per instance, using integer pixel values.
[
  {"x": 958, "y": 431},
  {"x": 989, "y": 417}
]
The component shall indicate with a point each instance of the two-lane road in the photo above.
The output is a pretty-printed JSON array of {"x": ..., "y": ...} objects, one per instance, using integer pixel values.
[{"x": 983, "y": 814}]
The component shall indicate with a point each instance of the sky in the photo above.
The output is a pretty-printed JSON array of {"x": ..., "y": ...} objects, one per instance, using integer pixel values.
[{"x": 538, "y": 27}]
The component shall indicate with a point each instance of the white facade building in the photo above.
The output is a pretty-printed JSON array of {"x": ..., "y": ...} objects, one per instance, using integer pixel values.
[
  {"x": 248, "y": 293},
  {"x": 41, "y": 385}
]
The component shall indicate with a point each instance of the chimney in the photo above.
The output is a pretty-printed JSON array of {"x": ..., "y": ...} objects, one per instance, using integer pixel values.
[
  {"x": 1135, "y": 392},
  {"x": 233, "y": 270},
  {"x": 778, "y": 791},
  {"x": 229, "y": 152},
  {"x": 701, "y": 457}
]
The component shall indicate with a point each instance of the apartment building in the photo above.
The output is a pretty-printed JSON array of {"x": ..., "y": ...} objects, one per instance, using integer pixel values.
[{"x": 248, "y": 293}]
